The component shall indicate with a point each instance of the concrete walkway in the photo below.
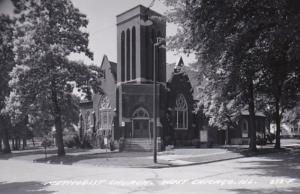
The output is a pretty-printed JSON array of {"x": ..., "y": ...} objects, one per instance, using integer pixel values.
[
  {"x": 269, "y": 173},
  {"x": 172, "y": 158}
]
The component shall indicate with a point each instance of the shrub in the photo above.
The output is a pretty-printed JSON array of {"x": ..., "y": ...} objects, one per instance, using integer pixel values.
[
  {"x": 72, "y": 141},
  {"x": 121, "y": 144},
  {"x": 196, "y": 143}
]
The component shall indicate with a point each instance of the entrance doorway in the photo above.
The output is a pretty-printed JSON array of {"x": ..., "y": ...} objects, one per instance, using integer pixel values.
[{"x": 141, "y": 123}]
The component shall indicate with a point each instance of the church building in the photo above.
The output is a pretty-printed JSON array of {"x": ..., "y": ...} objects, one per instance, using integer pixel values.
[{"x": 124, "y": 113}]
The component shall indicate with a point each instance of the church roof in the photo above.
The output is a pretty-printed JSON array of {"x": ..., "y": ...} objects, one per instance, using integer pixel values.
[
  {"x": 113, "y": 69},
  {"x": 138, "y": 10},
  {"x": 112, "y": 66},
  {"x": 179, "y": 65},
  {"x": 246, "y": 113}
]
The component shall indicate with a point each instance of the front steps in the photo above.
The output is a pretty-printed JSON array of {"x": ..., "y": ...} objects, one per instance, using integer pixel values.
[{"x": 141, "y": 144}]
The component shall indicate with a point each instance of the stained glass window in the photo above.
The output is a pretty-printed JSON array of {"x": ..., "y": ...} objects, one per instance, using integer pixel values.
[{"x": 181, "y": 112}]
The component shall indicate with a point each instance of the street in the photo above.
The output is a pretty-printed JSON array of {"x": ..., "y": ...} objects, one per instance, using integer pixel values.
[{"x": 269, "y": 173}]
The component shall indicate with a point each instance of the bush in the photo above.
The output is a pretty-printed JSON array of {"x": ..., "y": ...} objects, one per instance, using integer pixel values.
[
  {"x": 46, "y": 142},
  {"x": 196, "y": 143},
  {"x": 112, "y": 146},
  {"x": 85, "y": 144},
  {"x": 71, "y": 141},
  {"x": 121, "y": 144},
  {"x": 210, "y": 144}
]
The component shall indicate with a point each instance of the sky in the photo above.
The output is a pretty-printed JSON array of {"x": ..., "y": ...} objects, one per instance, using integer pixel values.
[{"x": 102, "y": 26}]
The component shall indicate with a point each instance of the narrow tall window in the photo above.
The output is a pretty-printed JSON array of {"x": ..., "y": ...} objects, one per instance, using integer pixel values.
[
  {"x": 244, "y": 128},
  {"x": 128, "y": 54},
  {"x": 181, "y": 112},
  {"x": 123, "y": 56},
  {"x": 133, "y": 53},
  {"x": 153, "y": 41},
  {"x": 87, "y": 120},
  {"x": 105, "y": 113},
  {"x": 159, "y": 60},
  {"x": 147, "y": 55}
]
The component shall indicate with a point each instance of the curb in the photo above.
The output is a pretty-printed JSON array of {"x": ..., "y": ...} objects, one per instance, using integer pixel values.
[{"x": 219, "y": 160}]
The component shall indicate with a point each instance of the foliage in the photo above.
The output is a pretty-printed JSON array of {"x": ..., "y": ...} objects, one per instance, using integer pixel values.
[
  {"x": 6, "y": 64},
  {"x": 246, "y": 49},
  {"x": 42, "y": 82},
  {"x": 292, "y": 117}
]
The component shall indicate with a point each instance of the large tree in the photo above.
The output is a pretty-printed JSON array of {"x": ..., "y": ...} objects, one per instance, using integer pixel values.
[
  {"x": 222, "y": 37},
  {"x": 6, "y": 65},
  {"x": 234, "y": 41},
  {"x": 46, "y": 33}
]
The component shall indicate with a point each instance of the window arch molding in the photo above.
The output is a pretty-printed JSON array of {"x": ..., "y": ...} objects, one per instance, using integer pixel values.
[{"x": 140, "y": 113}]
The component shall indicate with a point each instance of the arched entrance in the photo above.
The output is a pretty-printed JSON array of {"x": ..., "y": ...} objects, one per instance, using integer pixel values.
[{"x": 141, "y": 123}]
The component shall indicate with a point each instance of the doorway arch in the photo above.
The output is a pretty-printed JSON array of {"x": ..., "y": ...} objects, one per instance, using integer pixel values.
[{"x": 140, "y": 123}]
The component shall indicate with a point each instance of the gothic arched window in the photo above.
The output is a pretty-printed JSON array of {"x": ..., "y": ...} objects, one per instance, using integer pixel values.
[
  {"x": 87, "y": 120},
  {"x": 153, "y": 41},
  {"x": 128, "y": 55},
  {"x": 105, "y": 113},
  {"x": 133, "y": 53},
  {"x": 181, "y": 112},
  {"x": 123, "y": 56}
]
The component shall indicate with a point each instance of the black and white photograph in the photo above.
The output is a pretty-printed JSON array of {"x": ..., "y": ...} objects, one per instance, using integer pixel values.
[{"x": 150, "y": 96}]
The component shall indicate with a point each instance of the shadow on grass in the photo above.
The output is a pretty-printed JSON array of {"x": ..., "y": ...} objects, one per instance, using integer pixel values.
[
  {"x": 24, "y": 188},
  {"x": 292, "y": 190},
  {"x": 71, "y": 159},
  {"x": 283, "y": 166},
  {"x": 14, "y": 154}
]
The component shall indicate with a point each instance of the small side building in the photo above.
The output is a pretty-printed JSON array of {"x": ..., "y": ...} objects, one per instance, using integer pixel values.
[{"x": 241, "y": 133}]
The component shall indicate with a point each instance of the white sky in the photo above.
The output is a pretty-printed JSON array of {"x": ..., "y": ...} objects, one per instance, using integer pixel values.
[{"x": 102, "y": 25}]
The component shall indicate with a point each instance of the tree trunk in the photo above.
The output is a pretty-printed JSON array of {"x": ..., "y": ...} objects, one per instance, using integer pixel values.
[
  {"x": 18, "y": 143},
  {"x": 13, "y": 144},
  {"x": 277, "y": 120},
  {"x": 252, "y": 125},
  {"x": 6, "y": 146},
  {"x": 24, "y": 143},
  {"x": 33, "y": 141},
  {"x": 58, "y": 123}
]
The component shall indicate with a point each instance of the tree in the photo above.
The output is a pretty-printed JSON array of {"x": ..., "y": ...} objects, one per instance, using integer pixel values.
[
  {"x": 223, "y": 39},
  {"x": 6, "y": 64},
  {"x": 46, "y": 33},
  {"x": 237, "y": 41},
  {"x": 292, "y": 117},
  {"x": 280, "y": 74}
]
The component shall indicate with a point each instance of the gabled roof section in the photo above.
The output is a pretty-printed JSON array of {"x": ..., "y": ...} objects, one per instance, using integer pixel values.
[
  {"x": 113, "y": 69},
  {"x": 137, "y": 11},
  {"x": 179, "y": 65},
  {"x": 246, "y": 113},
  {"x": 112, "y": 66}
]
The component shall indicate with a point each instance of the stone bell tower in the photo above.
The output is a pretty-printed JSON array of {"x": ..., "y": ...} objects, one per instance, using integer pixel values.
[
  {"x": 135, "y": 71},
  {"x": 135, "y": 45}
]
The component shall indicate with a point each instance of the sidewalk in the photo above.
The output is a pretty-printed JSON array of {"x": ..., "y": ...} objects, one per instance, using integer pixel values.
[{"x": 172, "y": 158}]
